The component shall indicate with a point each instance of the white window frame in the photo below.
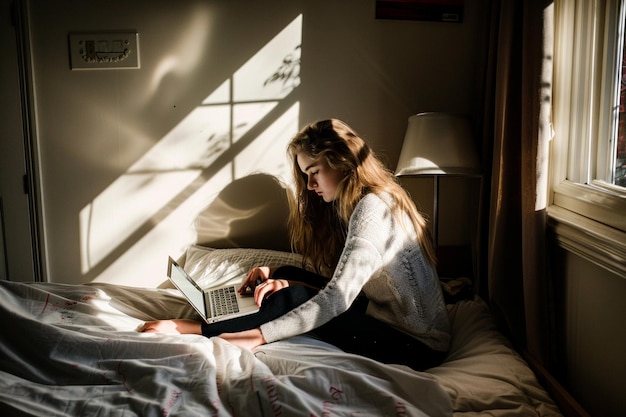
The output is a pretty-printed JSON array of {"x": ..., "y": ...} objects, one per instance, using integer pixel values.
[{"x": 586, "y": 211}]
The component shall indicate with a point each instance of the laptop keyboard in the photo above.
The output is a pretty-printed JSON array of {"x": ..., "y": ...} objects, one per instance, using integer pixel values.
[{"x": 224, "y": 301}]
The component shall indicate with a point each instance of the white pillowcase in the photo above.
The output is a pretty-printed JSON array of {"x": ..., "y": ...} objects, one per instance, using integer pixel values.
[{"x": 211, "y": 267}]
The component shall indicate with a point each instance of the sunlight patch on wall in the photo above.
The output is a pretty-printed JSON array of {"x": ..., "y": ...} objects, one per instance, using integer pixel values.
[
  {"x": 277, "y": 80},
  {"x": 178, "y": 229},
  {"x": 241, "y": 127},
  {"x": 268, "y": 153}
]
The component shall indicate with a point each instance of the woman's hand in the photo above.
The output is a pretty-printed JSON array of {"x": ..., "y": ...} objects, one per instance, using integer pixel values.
[
  {"x": 248, "y": 339},
  {"x": 254, "y": 277},
  {"x": 267, "y": 288},
  {"x": 176, "y": 326}
]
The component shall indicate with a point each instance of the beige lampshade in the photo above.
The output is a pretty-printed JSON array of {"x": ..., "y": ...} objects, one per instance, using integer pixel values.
[{"x": 438, "y": 143}]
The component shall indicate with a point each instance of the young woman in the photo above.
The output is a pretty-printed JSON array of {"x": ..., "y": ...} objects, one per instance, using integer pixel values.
[{"x": 375, "y": 291}]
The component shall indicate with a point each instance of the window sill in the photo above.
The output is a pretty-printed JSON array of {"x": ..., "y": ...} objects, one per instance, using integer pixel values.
[
  {"x": 596, "y": 242},
  {"x": 602, "y": 205}
]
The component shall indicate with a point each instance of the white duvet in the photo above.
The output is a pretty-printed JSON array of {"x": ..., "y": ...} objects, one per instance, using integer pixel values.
[{"x": 72, "y": 350}]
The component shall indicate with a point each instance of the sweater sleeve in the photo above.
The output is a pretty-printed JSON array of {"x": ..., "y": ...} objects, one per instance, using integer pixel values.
[{"x": 358, "y": 262}]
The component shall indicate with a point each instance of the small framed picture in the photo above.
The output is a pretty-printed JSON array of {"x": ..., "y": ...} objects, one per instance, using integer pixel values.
[{"x": 427, "y": 10}]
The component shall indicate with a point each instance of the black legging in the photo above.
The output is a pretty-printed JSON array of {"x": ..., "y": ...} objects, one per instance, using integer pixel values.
[{"x": 352, "y": 331}]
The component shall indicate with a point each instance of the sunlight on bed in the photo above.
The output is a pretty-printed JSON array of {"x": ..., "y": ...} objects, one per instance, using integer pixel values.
[{"x": 241, "y": 127}]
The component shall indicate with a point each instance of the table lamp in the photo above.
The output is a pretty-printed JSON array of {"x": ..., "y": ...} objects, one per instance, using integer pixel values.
[{"x": 438, "y": 144}]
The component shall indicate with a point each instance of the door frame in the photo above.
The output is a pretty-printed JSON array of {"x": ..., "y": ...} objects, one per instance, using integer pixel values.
[{"x": 20, "y": 195}]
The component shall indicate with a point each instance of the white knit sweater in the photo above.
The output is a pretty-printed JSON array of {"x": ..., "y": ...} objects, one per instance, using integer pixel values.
[{"x": 388, "y": 265}]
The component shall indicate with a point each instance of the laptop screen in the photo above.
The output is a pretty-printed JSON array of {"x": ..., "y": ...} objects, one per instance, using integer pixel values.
[{"x": 186, "y": 285}]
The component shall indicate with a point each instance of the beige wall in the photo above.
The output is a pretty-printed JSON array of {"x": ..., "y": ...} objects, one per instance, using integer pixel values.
[
  {"x": 592, "y": 339},
  {"x": 98, "y": 130}
]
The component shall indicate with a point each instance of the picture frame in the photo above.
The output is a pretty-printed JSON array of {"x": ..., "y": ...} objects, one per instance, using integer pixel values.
[{"x": 450, "y": 11}]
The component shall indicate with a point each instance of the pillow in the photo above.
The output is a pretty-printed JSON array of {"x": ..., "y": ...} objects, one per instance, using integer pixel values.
[{"x": 211, "y": 267}]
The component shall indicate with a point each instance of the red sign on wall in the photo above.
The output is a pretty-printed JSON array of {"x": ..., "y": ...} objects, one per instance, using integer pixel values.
[{"x": 430, "y": 10}]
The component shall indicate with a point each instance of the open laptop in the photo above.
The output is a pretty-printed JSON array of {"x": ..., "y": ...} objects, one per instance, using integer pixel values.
[{"x": 214, "y": 304}]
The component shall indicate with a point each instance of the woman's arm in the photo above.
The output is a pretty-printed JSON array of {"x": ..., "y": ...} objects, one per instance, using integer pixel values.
[
  {"x": 247, "y": 339},
  {"x": 360, "y": 260}
]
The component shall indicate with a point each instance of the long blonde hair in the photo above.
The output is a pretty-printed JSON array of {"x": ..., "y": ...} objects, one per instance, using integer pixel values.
[{"x": 318, "y": 229}]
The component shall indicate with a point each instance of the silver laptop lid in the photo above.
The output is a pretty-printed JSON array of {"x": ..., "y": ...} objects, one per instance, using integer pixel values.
[{"x": 188, "y": 287}]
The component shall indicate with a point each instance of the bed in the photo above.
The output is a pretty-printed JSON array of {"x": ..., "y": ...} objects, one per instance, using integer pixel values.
[{"x": 73, "y": 350}]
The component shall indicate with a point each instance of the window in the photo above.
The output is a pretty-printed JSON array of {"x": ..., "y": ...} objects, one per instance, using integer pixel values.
[{"x": 589, "y": 120}]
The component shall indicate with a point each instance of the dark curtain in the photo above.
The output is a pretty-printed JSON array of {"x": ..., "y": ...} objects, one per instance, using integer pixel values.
[{"x": 516, "y": 136}]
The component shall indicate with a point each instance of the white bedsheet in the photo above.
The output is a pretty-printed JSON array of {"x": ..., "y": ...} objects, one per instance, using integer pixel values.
[
  {"x": 73, "y": 350},
  {"x": 483, "y": 374}
]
